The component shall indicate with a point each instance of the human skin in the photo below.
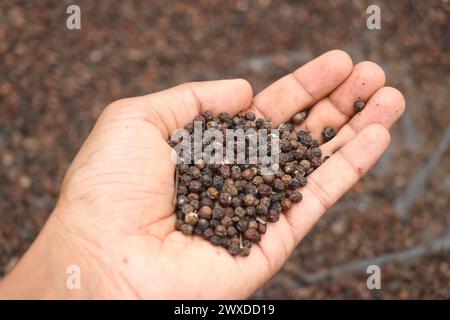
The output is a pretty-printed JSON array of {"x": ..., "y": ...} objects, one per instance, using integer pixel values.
[{"x": 114, "y": 216}]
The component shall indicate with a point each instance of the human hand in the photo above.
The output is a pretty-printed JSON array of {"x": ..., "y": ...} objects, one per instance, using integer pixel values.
[{"x": 114, "y": 218}]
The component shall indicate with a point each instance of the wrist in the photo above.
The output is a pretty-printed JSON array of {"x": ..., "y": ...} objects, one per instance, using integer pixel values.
[
  {"x": 39, "y": 273},
  {"x": 60, "y": 264}
]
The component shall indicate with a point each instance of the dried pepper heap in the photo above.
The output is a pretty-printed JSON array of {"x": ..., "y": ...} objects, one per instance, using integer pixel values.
[{"x": 231, "y": 204}]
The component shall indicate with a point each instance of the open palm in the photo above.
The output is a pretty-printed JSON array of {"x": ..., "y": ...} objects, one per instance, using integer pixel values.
[{"x": 116, "y": 202}]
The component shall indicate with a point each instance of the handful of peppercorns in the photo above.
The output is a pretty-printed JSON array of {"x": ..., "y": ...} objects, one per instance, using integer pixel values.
[{"x": 230, "y": 204}]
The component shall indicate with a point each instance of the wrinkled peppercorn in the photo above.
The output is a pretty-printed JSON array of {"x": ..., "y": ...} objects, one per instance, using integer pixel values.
[
  {"x": 187, "y": 229},
  {"x": 221, "y": 231},
  {"x": 252, "y": 235},
  {"x": 328, "y": 134},
  {"x": 296, "y": 197},
  {"x": 298, "y": 118},
  {"x": 242, "y": 225},
  {"x": 359, "y": 105},
  {"x": 216, "y": 240},
  {"x": 234, "y": 249}
]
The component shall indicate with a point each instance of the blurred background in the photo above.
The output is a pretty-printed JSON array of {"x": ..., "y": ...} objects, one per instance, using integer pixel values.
[{"x": 55, "y": 82}]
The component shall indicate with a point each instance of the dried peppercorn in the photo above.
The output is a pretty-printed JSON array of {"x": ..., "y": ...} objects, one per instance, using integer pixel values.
[
  {"x": 250, "y": 116},
  {"x": 262, "y": 227},
  {"x": 178, "y": 224},
  {"x": 298, "y": 118},
  {"x": 328, "y": 134},
  {"x": 278, "y": 184},
  {"x": 359, "y": 105},
  {"x": 216, "y": 240},
  {"x": 274, "y": 215},
  {"x": 268, "y": 178},
  {"x": 206, "y": 202},
  {"x": 205, "y": 212},
  {"x": 218, "y": 213},
  {"x": 187, "y": 229},
  {"x": 212, "y": 192},
  {"x": 234, "y": 249},
  {"x": 286, "y": 204},
  {"x": 191, "y": 218},
  {"x": 220, "y": 230},
  {"x": 195, "y": 185},
  {"x": 248, "y": 174},
  {"x": 242, "y": 225},
  {"x": 252, "y": 235},
  {"x": 225, "y": 199},
  {"x": 253, "y": 224},
  {"x": 208, "y": 233},
  {"x": 295, "y": 197},
  {"x": 202, "y": 224},
  {"x": 231, "y": 231},
  {"x": 226, "y": 221},
  {"x": 316, "y": 162}
]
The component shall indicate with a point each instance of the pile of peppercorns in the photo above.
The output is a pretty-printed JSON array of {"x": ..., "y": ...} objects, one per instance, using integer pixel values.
[{"x": 231, "y": 204}]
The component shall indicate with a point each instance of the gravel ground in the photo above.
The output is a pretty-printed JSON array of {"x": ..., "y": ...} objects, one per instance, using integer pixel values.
[{"x": 55, "y": 82}]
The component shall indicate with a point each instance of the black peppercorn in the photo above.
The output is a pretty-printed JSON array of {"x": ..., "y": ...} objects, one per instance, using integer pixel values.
[
  {"x": 202, "y": 224},
  {"x": 225, "y": 117},
  {"x": 234, "y": 249},
  {"x": 252, "y": 235},
  {"x": 261, "y": 209},
  {"x": 224, "y": 171},
  {"x": 208, "y": 233},
  {"x": 315, "y": 162},
  {"x": 195, "y": 185},
  {"x": 218, "y": 182},
  {"x": 249, "y": 200},
  {"x": 245, "y": 251},
  {"x": 295, "y": 197},
  {"x": 191, "y": 218},
  {"x": 316, "y": 152},
  {"x": 178, "y": 224},
  {"x": 239, "y": 212},
  {"x": 250, "y": 116},
  {"x": 214, "y": 223},
  {"x": 248, "y": 174},
  {"x": 242, "y": 225},
  {"x": 207, "y": 202},
  {"x": 278, "y": 184},
  {"x": 286, "y": 204},
  {"x": 359, "y": 105},
  {"x": 274, "y": 215},
  {"x": 221, "y": 231},
  {"x": 212, "y": 192},
  {"x": 261, "y": 228},
  {"x": 218, "y": 213},
  {"x": 252, "y": 224},
  {"x": 328, "y": 134},
  {"x": 216, "y": 240},
  {"x": 226, "y": 221},
  {"x": 187, "y": 229},
  {"x": 298, "y": 118},
  {"x": 257, "y": 181},
  {"x": 250, "y": 211},
  {"x": 231, "y": 231},
  {"x": 205, "y": 212},
  {"x": 225, "y": 199},
  {"x": 305, "y": 164}
]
